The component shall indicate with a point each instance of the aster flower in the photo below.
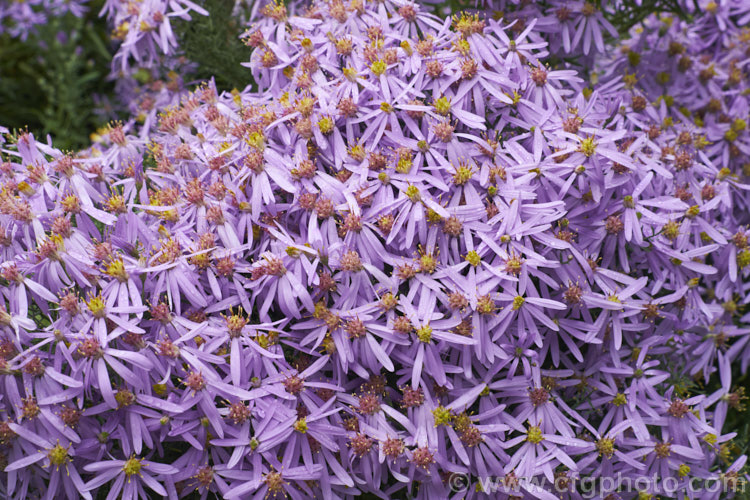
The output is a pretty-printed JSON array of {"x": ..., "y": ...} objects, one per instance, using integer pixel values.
[
  {"x": 591, "y": 27},
  {"x": 146, "y": 31},
  {"x": 98, "y": 357},
  {"x": 278, "y": 484},
  {"x": 272, "y": 274},
  {"x": 56, "y": 457},
  {"x": 129, "y": 476},
  {"x": 540, "y": 451}
]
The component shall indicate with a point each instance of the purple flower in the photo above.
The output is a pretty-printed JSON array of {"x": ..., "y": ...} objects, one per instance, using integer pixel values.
[
  {"x": 130, "y": 476},
  {"x": 421, "y": 245}
]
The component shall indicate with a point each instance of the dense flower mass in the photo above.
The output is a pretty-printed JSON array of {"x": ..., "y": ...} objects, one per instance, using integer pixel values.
[{"x": 418, "y": 247}]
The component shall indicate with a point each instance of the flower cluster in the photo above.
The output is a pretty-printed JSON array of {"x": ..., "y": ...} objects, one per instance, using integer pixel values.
[
  {"x": 571, "y": 28},
  {"x": 417, "y": 249},
  {"x": 144, "y": 29},
  {"x": 19, "y": 19},
  {"x": 696, "y": 69}
]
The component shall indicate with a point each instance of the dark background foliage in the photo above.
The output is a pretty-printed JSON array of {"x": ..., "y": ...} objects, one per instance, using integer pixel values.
[
  {"x": 48, "y": 82},
  {"x": 213, "y": 44}
]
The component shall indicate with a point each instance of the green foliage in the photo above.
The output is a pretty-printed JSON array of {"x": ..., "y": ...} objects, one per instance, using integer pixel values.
[
  {"x": 212, "y": 42},
  {"x": 48, "y": 83},
  {"x": 631, "y": 14},
  {"x": 42, "y": 320}
]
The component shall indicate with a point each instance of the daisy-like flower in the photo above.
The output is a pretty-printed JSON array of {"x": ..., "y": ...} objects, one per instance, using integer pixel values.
[
  {"x": 128, "y": 477},
  {"x": 277, "y": 484},
  {"x": 56, "y": 457}
]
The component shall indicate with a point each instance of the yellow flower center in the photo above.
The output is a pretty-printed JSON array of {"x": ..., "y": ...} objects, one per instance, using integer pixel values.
[
  {"x": 132, "y": 466},
  {"x": 534, "y": 435},
  {"x": 300, "y": 426},
  {"x": 378, "y": 67},
  {"x": 96, "y": 306},
  {"x": 442, "y": 416},
  {"x": 58, "y": 455},
  {"x": 587, "y": 147},
  {"x": 619, "y": 400},
  {"x": 473, "y": 258},
  {"x": 424, "y": 334}
]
